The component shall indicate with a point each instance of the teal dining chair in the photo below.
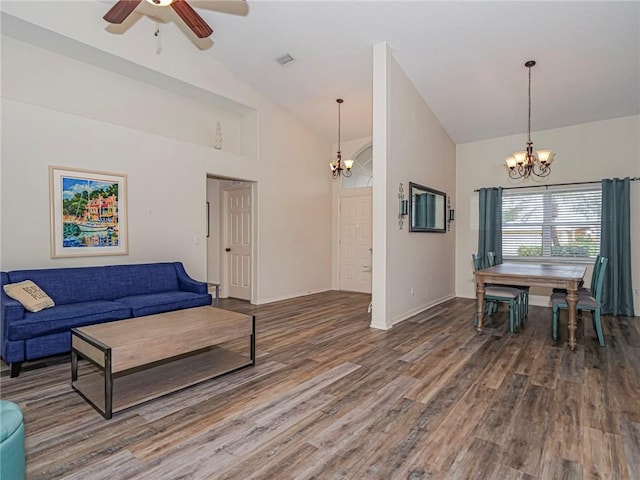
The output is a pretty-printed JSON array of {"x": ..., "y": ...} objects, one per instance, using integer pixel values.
[
  {"x": 592, "y": 302},
  {"x": 594, "y": 276},
  {"x": 524, "y": 290},
  {"x": 494, "y": 294},
  {"x": 597, "y": 265},
  {"x": 560, "y": 292}
]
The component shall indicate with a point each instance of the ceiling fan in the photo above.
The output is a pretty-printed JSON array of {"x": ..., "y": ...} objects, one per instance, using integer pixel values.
[{"x": 123, "y": 8}]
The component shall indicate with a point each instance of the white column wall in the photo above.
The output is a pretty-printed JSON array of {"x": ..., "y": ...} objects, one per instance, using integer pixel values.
[{"x": 412, "y": 271}]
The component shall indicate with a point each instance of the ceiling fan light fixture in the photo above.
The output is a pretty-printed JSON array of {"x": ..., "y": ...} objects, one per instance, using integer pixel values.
[{"x": 160, "y": 3}]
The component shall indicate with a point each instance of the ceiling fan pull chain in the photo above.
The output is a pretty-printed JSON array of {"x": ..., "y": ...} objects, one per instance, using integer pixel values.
[{"x": 158, "y": 43}]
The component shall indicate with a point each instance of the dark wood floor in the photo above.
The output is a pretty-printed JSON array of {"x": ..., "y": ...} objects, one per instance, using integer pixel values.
[{"x": 331, "y": 398}]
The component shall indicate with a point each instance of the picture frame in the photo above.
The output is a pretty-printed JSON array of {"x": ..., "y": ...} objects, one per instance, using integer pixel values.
[{"x": 88, "y": 213}]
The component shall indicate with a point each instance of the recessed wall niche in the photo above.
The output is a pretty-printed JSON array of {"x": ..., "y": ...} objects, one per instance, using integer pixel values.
[{"x": 131, "y": 95}]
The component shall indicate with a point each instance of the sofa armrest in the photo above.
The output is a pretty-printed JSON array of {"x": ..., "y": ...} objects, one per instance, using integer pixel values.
[
  {"x": 187, "y": 283},
  {"x": 10, "y": 309}
]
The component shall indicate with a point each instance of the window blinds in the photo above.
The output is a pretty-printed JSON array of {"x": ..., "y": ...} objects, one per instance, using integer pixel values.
[{"x": 553, "y": 223}]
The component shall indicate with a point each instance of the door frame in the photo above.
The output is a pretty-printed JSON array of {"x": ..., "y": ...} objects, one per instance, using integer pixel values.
[
  {"x": 350, "y": 192},
  {"x": 226, "y": 184}
]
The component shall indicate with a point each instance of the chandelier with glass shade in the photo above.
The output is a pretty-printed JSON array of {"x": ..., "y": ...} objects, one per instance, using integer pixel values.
[
  {"x": 338, "y": 166},
  {"x": 525, "y": 163}
]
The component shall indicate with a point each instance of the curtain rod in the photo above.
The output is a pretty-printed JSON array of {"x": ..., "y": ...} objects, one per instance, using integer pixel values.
[{"x": 633, "y": 179}]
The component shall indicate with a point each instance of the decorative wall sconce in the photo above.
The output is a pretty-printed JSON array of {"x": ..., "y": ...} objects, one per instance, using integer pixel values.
[
  {"x": 403, "y": 209},
  {"x": 452, "y": 214}
]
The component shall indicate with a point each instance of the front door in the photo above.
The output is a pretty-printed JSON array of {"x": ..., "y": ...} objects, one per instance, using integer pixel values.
[
  {"x": 355, "y": 243},
  {"x": 238, "y": 243}
]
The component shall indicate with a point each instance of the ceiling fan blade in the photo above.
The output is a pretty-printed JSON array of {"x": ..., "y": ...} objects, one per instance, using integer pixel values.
[
  {"x": 191, "y": 18},
  {"x": 121, "y": 10}
]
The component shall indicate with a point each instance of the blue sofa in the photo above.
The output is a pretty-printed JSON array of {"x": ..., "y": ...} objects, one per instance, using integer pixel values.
[{"x": 86, "y": 296}]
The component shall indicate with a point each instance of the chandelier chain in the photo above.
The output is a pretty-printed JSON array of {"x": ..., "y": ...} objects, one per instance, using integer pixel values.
[
  {"x": 529, "y": 104},
  {"x": 340, "y": 167},
  {"x": 339, "y": 103}
]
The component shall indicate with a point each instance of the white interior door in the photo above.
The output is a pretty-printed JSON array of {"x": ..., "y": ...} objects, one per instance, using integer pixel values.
[
  {"x": 238, "y": 243},
  {"x": 355, "y": 243}
]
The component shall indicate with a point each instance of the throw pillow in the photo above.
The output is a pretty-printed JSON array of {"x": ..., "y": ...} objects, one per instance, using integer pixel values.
[{"x": 30, "y": 295}]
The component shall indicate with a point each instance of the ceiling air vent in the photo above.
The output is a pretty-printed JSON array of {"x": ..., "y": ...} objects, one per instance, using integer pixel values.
[{"x": 285, "y": 59}]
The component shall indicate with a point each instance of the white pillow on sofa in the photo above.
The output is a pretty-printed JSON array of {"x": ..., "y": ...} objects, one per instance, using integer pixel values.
[{"x": 30, "y": 295}]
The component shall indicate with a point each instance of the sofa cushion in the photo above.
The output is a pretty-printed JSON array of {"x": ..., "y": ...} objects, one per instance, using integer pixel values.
[
  {"x": 65, "y": 317},
  {"x": 30, "y": 295},
  {"x": 142, "y": 305}
]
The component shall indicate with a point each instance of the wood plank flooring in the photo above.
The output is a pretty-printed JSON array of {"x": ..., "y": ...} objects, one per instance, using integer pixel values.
[{"x": 331, "y": 398}]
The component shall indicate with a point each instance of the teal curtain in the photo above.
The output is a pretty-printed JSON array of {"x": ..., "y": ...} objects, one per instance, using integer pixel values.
[
  {"x": 421, "y": 210},
  {"x": 490, "y": 223},
  {"x": 431, "y": 210},
  {"x": 615, "y": 244}
]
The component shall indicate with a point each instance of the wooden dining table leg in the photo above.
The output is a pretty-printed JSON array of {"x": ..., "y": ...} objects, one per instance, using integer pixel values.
[
  {"x": 480, "y": 289},
  {"x": 572, "y": 302}
]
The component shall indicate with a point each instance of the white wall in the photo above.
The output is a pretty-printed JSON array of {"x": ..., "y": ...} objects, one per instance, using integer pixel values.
[
  {"x": 167, "y": 174},
  {"x": 586, "y": 152},
  {"x": 417, "y": 149}
]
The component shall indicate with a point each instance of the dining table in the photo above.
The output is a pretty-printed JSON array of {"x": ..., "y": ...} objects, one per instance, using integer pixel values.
[{"x": 568, "y": 277}]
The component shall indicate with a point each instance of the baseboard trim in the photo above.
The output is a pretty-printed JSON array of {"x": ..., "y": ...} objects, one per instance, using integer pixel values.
[
  {"x": 404, "y": 316},
  {"x": 262, "y": 301}
]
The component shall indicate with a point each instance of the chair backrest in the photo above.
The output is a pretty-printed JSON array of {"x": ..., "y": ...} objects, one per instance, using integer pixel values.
[
  {"x": 597, "y": 293},
  {"x": 491, "y": 259},
  {"x": 478, "y": 264},
  {"x": 594, "y": 275}
]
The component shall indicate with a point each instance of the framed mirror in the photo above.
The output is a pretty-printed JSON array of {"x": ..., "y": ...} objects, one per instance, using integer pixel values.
[{"x": 427, "y": 209}]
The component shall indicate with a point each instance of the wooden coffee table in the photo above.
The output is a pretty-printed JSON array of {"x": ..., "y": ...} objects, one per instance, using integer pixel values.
[{"x": 143, "y": 358}]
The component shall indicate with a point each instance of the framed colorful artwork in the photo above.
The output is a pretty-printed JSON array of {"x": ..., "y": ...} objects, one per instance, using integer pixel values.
[{"x": 88, "y": 213}]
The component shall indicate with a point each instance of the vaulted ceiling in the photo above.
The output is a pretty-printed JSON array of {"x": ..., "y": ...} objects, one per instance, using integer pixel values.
[{"x": 466, "y": 58}]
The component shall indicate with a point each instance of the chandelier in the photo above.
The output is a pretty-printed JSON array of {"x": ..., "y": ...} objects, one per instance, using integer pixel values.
[
  {"x": 339, "y": 166},
  {"x": 523, "y": 164}
]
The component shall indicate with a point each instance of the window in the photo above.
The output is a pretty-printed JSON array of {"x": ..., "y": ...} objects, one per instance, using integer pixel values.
[
  {"x": 362, "y": 171},
  {"x": 560, "y": 223}
]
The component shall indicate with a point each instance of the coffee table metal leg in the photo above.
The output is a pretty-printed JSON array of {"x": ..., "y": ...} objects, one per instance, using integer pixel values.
[
  {"x": 74, "y": 366},
  {"x": 108, "y": 385}
]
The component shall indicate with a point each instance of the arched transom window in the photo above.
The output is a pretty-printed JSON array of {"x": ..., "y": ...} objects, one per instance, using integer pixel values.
[{"x": 362, "y": 170}]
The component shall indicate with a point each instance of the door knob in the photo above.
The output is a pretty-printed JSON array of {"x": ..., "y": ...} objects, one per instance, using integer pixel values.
[{"x": 227, "y": 249}]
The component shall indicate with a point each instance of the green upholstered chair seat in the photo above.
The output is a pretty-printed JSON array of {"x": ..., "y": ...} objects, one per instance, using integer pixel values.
[
  {"x": 561, "y": 297},
  {"x": 585, "y": 302},
  {"x": 504, "y": 292},
  {"x": 12, "y": 459}
]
